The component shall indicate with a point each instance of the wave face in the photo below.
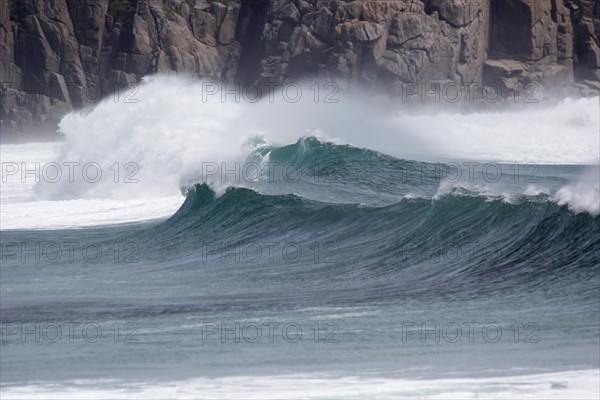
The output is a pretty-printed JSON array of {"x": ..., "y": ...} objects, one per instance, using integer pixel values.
[
  {"x": 277, "y": 225},
  {"x": 389, "y": 227}
]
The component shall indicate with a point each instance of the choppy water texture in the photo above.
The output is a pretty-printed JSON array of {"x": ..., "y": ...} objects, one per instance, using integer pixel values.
[{"x": 318, "y": 268}]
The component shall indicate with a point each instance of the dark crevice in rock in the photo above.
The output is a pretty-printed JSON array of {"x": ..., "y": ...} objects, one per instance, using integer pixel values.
[
  {"x": 253, "y": 16},
  {"x": 511, "y": 29}
]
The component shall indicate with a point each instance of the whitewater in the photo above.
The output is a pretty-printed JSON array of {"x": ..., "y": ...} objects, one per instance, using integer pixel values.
[{"x": 164, "y": 137}]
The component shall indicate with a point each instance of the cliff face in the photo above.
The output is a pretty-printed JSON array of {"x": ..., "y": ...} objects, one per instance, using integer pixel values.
[{"x": 63, "y": 54}]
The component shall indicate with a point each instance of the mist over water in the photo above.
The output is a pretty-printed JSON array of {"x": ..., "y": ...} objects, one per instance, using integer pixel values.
[{"x": 166, "y": 135}]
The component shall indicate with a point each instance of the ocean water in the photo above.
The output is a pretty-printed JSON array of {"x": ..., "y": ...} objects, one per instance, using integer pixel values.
[{"x": 186, "y": 247}]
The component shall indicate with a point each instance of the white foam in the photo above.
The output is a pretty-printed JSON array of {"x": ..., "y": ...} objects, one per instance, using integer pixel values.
[
  {"x": 81, "y": 213},
  {"x": 158, "y": 141},
  {"x": 534, "y": 190},
  {"x": 565, "y": 133},
  {"x": 583, "y": 195},
  {"x": 22, "y": 209},
  {"x": 560, "y": 385}
]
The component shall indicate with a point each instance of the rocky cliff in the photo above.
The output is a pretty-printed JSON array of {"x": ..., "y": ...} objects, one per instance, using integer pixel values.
[{"x": 63, "y": 54}]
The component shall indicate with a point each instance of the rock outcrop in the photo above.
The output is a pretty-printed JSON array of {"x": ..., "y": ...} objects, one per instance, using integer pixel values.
[{"x": 63, "y": 54}]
